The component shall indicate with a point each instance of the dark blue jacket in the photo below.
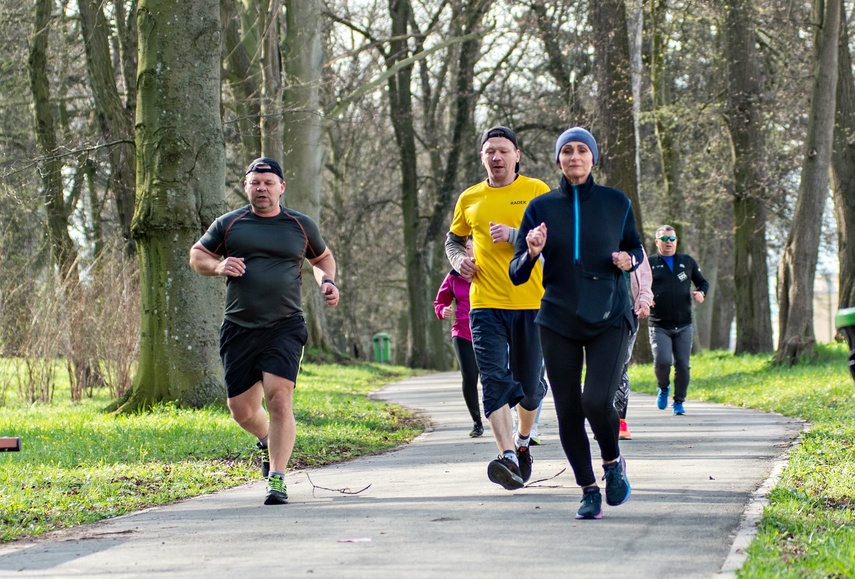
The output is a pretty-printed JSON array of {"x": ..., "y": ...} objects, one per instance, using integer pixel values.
[
  {"x": 585, "y": 293},
  {"x": 672, "y": 290}
]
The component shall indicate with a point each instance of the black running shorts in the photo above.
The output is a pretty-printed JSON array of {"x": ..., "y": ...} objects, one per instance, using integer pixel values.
[{"x": 247, "y": 352}]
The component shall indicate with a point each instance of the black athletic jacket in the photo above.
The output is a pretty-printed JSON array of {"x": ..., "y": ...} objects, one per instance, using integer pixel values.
[
  {"x": 584, "y": 293},
  {"x": 672, "y": 290}
]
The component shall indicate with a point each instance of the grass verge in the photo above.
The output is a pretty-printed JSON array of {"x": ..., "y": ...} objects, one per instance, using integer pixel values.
[
  {"x": 79, "y": 464},
  {"x": 808, "y": 527}
]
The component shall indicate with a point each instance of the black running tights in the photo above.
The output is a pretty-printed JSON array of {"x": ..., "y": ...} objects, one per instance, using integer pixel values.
[
  {"x": 469, "y": 370},
  {"x": 603, "y": 357}
]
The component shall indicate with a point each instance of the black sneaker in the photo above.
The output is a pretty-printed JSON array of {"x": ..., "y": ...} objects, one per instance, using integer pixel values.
[
  {"x": 592, "y": 506},
  {"x": 617, "y": 485},
  {"x": 477, "y": 431},
  {"x": 503, "y": 471},
  {"x": 277, "y": 494},
  {"x": 265, "y": 459},
  {"x": 524, "y": 455}
]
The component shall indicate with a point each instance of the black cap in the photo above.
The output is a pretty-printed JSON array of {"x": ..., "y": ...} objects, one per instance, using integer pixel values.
[
  {"x": 500, "y": 131},
  {"x": 265, "y": 165}
]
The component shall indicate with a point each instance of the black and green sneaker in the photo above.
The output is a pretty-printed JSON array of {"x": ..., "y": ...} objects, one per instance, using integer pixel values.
[
  {"x": 265, "y": 459},
  {"x": 277, "y": 494}
]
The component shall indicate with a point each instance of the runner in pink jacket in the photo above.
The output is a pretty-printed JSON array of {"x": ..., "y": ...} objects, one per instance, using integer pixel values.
[
  {"x": 455, "y": 289},
  {"x": 640, "y": 287}
]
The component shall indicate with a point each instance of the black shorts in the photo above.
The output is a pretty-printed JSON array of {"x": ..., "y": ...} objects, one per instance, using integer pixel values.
[{"x": 247, "y": 352}]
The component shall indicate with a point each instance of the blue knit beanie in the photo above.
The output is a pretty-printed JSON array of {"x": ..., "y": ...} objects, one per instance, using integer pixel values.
[{"x": 577, "y": 134}]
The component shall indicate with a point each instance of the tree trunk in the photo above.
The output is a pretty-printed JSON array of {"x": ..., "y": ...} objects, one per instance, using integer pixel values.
[
  {"x": 303, "y": 142},
  {"x": 271, "y": 75},
  {"x": 126, "y": 30},
  {"x": 557, "y": 63},
  {"x": 617, "y": 135},
  {"x": 798, "y": 262},
  {"x": 113, "y": 119},
  {"x": 745, "y": 122},
  {"x": 62, "y": 247},
  {"x": 239, "y": 74},
  {"x": 616, "y": 139},
  {"x": 660, "y": 86},
  {"x": 401, "y": 107},
  {"x": 180, "y": 191},
  {"x": 843, "y": 170}
]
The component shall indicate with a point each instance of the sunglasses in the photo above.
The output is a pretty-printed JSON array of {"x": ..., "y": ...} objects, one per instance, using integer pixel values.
[{"x": 668, "y": 238}]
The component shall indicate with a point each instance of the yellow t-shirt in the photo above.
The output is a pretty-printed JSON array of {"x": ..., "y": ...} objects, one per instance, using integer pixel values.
[{"x": 476, "y": 208}]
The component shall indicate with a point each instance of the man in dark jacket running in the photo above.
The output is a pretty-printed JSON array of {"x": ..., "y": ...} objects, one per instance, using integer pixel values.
[{"x": 670, "y": 322}]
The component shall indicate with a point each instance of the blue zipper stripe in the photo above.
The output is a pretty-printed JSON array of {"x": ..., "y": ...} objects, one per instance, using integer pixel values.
[{"x": 576, "y": 232}]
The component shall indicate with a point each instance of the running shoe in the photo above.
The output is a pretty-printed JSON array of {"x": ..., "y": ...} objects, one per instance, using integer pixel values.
[
  {"x": 617, "y": 485},
  {"x": 624, "y": 433},
  {"x": 476, "y": 431},
  {"x": 265, "y": 459},
  {"x": 662, "y": 399},
  {"x": 524, "y": 455},
  {"x": 277, "y": 493},
  {"x": 503, "y": 471},
  {"x": 678, "y": 409},
  {"x": 592, "y": 506}
]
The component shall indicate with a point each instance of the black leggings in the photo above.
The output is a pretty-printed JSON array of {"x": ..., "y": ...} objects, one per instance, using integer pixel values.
[
  {"x": 603, "y": 356},
  {"x": 469, "y": 369}
]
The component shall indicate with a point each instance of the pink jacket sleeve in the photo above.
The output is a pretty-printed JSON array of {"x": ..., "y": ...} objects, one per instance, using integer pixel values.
[
  {"x": 445, "y": 295},
  {"x": 641, "y": 281}
]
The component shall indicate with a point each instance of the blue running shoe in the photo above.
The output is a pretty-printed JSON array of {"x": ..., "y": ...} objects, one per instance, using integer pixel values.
[
  {"x": 592, "y": 506},
  {"x": 662, "y": 399},
  {"x": 678, "y": 409},
  {"x": 617, "y": 485}
]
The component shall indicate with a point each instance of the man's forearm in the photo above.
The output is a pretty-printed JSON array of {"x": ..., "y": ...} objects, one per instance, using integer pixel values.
[
  {"x": 324, "y": 268},
  {"x": 202, "y": 262},
  {"x": 455, "y": 250}
]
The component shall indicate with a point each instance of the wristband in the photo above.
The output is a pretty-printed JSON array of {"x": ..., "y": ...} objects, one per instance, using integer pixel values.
[{"x": 329, "y": 281}]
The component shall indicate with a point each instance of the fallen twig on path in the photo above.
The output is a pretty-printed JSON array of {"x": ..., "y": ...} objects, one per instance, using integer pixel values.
[
  {"x": 344, "y": 491},
  {"x": 534, "y": 482}
]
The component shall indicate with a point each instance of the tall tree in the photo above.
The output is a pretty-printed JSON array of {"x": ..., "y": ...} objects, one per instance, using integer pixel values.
[
  {"x": 238, "y": 72},
  {"x": 745, "y": 121},
  {"x": 617, "y": 114},
  {"x": 180, "y": 190},
  {"x": 271, "y": 78},
  {"x": 667, "y": 147},
  {"x": 401, "y": 109},
  {"x": 58, "y": 211},
  {"x": 843, "y": 169},
  {"x": 616, "y": 137},
  {"x": 303, "y": 134},
  {"x": 113, "y": 118},
  {"x": 460, "y": 98},
  {"x": 798, "y": 262}
]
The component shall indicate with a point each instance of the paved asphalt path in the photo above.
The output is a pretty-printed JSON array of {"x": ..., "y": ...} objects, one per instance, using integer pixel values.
[{"x": 428, "y": 510}]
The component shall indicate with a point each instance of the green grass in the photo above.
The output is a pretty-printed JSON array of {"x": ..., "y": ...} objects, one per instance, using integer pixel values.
[
  {"x": 79, "y": 464},
  {"x": 808, "y": 527}
]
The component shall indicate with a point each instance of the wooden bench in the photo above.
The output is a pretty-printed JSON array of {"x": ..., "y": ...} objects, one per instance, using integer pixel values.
[{"x": 10, "y": 444}]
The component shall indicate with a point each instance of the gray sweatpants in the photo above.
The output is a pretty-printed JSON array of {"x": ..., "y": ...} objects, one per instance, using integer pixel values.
[{"x": 672, "y": 345}]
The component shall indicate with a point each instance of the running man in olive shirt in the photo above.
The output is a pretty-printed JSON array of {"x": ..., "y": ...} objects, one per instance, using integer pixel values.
[{"x": 260, "y": 249}]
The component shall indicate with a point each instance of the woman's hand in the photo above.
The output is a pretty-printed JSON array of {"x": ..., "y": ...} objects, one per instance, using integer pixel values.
[
  {"x": 622, "y": 260},
  {"x": 536, "y": 239}
]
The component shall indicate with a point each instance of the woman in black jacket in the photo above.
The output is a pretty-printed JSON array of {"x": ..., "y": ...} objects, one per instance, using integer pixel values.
[{"x": 585, "y": 314}]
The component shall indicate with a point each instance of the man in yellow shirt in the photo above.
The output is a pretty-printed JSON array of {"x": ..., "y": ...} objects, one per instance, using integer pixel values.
[{"x": 504, "y": 335}]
